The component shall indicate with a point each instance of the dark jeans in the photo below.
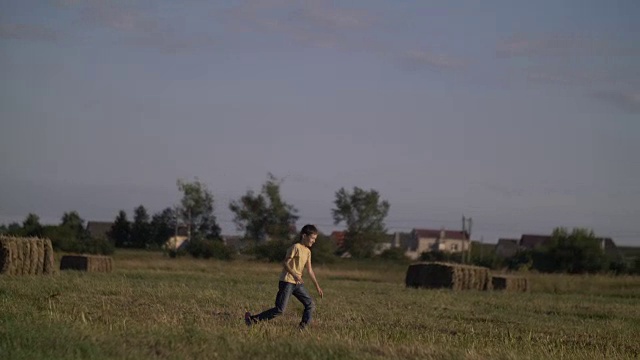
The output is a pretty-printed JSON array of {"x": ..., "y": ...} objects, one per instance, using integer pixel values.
[{"x": 285, "y": 290}]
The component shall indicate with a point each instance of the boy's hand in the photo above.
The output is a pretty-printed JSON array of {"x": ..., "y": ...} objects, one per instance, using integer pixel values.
[
  {"x": 298, "y": 279},
  {"x": 320, "y": 292}
]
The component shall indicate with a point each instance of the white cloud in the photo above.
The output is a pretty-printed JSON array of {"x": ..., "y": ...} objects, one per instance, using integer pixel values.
[
  {"x": 137, "y": 24},
  {"x": 312, "y": 23},
  {"x": 626, "y": 100},
  {"x": 27, "y": 32},
  {"x": 424, "y": 59},
  {"x": 571, "y": 74},
  {"x": 587, "y": 62},
  {"x": 563, "y": 45}
]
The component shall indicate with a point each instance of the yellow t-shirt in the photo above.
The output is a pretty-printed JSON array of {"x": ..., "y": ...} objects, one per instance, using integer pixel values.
[{"x": 300, "y": 255}]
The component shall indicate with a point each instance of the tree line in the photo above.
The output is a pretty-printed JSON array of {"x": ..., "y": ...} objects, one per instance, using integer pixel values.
[
  {"x": 265, "y": 215},
  {"x": 70, "y": 235},
  {"x": 261, "y": 216}
]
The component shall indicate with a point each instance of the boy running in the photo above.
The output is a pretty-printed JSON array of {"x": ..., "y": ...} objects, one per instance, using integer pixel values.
[{"x": 298, "y": 257}]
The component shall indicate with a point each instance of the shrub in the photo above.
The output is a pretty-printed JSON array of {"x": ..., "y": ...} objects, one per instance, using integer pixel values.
[
  {"x": 96, "y": 246},
  {"x": 441, "y": 256},
  {"x": 490, "y": 261},
  {"x": 577, "y": 252},
  {"x": 324, "y": 250},
  {"x": 203, "y": 248},
  {"x": 522, "y": 260},
  {"x": 273, "y": 250},
  {"x": 394, "y": 254}
]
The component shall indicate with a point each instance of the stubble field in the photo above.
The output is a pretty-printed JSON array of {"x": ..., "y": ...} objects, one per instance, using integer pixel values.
[{"x": 155, "y": 307}]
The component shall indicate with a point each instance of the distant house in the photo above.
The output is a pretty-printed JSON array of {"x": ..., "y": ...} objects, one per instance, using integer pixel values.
[
  {"x": 182, "y": 230},
  {"x": 507, "y": 247},
  {"x": 426, "y": 240},
  {"x": 338, "y": 238},
  {"x": 99, "y": 229},
  {"x": 176, "y": 243},
  {"x": 530, "y": 242},
  {"x": 396, "y": 240},
  {"x": 610, "y": 249},
  {"x": 387, "y": 243}
]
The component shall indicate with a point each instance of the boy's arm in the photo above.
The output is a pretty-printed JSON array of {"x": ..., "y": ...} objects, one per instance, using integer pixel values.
[{"x": 312, "y": 275}]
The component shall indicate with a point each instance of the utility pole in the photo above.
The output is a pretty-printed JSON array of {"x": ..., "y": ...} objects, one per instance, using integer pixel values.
[
  {"x": 466, "y": 253},
  {"x": 469, "y": 247},
  {"x": 464, "y": 238},
  {"x": 176, "y": 214}
]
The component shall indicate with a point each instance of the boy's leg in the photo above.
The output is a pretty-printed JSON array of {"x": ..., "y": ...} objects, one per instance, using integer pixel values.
[
  {"x": 284, "y": 292},
  {"x": 309, "y": 306}
]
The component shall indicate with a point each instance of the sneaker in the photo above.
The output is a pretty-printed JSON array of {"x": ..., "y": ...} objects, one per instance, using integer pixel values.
[
  {"x": 302, "y": 326},
  {"x": 247, "y": 319}
]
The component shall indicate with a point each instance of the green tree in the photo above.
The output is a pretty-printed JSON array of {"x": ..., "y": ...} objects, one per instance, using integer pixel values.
[
  {"x": 197, "y": 210},
  {"x": 204, "y": 248},
  {"x": 575, "y": 253},
  {"x": 363, "y": 212},
  {"x": 31, "y": 225},
  {"x": 120, "y": 232},
  {"x": 265, "y": 215},
  {"x": 141, "y": 228},
  {"x": 62, "y": 238},
  {"x": 15, "y": 229},
  {"x": 73, "y": 221},
  {"x": 324, "y": 250},
  {"x": 163, "y": 225}
]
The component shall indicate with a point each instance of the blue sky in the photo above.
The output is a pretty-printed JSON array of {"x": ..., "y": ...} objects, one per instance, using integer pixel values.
[{"x": 522, "y": 115}]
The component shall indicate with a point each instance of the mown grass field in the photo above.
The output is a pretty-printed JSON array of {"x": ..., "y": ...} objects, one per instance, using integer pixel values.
[{"x": 156, "y": 307}]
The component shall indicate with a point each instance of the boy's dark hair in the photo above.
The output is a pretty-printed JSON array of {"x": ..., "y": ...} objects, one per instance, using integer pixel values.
[{"x": 307, "y": 230}]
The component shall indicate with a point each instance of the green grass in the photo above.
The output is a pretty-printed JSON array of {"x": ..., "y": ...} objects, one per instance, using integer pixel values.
[{"x": 156, "y": 307}]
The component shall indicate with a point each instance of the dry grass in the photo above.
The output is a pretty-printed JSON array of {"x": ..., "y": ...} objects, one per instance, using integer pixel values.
[{"x": 153, "y": 307}]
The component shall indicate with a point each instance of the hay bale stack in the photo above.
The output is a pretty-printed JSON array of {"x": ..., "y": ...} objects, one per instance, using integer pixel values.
[
  {"x": 89, "y": 263},
  {"x": 40, "y": 255},
  {"x": 446, "y": 275},
  {"x": 13, "y": 266},
  {"x": 26, "y": 257},
  {"x": 23, "y": 256},
  {"x": 33, "y": 246},
  {"x": 49, "y": 262},
  {"x": 17, "y": 270},
  {"x": 510, "y": 283},
  {"x": 5, "y": 256}
]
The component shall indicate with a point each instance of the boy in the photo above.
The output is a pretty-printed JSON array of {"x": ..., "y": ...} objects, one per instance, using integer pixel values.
[{"x": 298, "y": 257}]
